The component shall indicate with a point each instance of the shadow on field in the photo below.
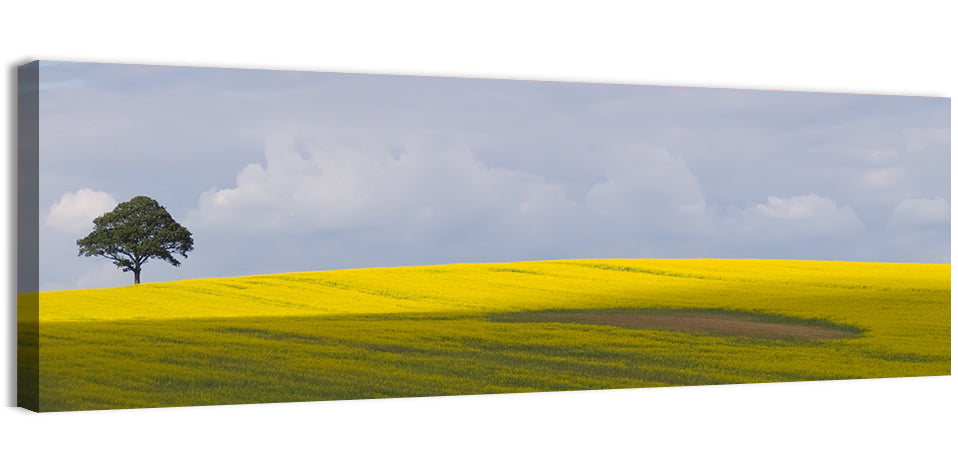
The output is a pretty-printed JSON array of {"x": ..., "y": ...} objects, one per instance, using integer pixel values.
[{"x": 703, "y": 321}]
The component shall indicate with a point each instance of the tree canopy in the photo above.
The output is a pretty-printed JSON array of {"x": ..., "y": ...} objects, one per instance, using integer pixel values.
[{"x": 135, "y": 232}]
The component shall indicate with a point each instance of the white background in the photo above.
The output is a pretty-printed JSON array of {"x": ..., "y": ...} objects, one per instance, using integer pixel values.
[{"x": 871, "y": 47}]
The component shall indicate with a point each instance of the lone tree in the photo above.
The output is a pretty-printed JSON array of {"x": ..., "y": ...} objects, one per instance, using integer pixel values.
[{"x": 133, "y": 233}]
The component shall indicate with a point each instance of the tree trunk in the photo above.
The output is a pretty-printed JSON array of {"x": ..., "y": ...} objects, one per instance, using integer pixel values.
[{"x": 136, "y": 276}]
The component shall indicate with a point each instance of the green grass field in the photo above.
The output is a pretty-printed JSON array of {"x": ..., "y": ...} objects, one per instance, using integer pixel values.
[{"x": 489, "y": 328}]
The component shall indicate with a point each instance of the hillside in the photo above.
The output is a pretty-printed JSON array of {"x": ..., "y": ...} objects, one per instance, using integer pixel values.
[{"x": 481, "y": 328}]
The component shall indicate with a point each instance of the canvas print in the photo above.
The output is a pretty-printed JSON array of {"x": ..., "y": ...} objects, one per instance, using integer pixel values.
[{"x": 200, "y": 236}]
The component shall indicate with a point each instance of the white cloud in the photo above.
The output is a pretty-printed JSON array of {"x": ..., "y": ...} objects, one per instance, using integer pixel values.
[
  {"x": 446, "y": 202},
  {"x": 106, "y": 276},
  {"x": 921, "y": 211},
  {"x": 376, "y": 201},
  {"x": 75, "y": 212},
  {"x": 880, "y": 154},
  {"x": 326, "y": 188},
  {"x": 882, "y": 178},
  {"x": 652, "y": 190},
  {"x": 808, "y": 215},
  {"x": 917, "y": 140}
]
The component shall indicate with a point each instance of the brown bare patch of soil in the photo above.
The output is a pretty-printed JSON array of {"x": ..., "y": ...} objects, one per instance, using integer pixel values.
[{"x": 715, "y": 322}]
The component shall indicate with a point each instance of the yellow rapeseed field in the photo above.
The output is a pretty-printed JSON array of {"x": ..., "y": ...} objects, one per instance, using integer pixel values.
[{"x": 438, "y": 330}]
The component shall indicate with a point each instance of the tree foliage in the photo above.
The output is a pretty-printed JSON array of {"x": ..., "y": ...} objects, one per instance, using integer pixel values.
[{"x": 135, "y": 232}]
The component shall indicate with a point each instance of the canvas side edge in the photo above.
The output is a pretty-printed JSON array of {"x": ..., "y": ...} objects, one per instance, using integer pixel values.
[{"x": 27, "y": 246}]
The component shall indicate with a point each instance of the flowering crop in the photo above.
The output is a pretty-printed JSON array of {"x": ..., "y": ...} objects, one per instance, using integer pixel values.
[{"x": 440, "y": 330}]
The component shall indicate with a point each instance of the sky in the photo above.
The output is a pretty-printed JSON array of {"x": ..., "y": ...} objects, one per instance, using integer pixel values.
[{"x": 282, "y": 171}]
